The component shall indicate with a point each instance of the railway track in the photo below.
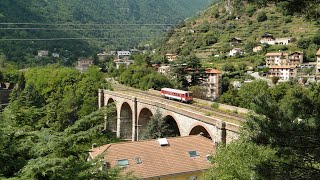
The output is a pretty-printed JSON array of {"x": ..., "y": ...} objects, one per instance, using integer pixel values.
[{"x": 208, "y": 111}]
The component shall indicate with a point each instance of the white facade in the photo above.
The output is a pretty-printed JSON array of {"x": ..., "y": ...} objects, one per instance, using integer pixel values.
[
  {"x": 43, "y": 53},
  {"x": 56, "y": 55},
  {"x": 236, "y": 51},
  {"x": 124, "y": 53},
  {"x": 283, "y": 72},
  {"x": 277, "y": 41}
]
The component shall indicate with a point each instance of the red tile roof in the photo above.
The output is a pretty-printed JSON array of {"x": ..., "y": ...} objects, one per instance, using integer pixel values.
[
  {"x": 282, "y": 67},
  {"x": 158, "y": 161},
  {"x": 213, "y": 71}
]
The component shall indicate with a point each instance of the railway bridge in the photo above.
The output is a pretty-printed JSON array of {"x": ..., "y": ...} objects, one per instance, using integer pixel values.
[{"x": 134, "y": 110}]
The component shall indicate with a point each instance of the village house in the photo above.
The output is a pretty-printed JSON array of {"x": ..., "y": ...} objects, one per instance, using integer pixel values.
[
  {"x": 281, "y": 58},
  {"x": 257, "y": 49},
  {"x": 269, "y": 39},
  {"x": 124, "y": 62},
  {"x": 283, "y": 65},
  {"x": 43, "y": 53},
  {"x": 122, "y": 54},
  {"x": 171, "y": 57},
  {"x": 55, "y": 55},
  {"x": 283, "y": 41},
  {"x": 235, "y": 41},
  {"x": 318, "y": 61},
  {"x": 284, "y": 72},
  {"x": 83, "y": 64},
  {"x": 165, "y": 70},
  {"x": 236, "y": 51},
  {"x": 135, "y": 51},
  {"x": 212, "y": 80},
  {"x": 178, "y": 158}
]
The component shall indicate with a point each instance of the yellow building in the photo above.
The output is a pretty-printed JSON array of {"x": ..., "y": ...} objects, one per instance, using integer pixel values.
[{"x": 178, "y": 158}]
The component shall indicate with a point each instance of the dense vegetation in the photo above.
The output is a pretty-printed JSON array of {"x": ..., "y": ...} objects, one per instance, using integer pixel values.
[
  {"x": 51, "y": 123},
  {"x": 140, "y": 74},
  {"x": 106, "y": 19},
  {"x": 280, "y": 138}
]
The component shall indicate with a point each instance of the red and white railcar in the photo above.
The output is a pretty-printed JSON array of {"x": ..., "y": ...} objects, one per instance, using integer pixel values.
[{"x": 183, "y": 96}]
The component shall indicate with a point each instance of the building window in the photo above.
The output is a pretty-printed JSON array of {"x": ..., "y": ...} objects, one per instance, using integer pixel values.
[
  {"x": 193, "y": 153},
  {"x": 123, "y": 163}
]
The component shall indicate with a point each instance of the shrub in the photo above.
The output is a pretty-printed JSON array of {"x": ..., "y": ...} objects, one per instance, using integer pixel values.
[
  {"x": 250, "y": 10},
  {"x": 262, "y": 16},
  {"x": 215, "y": 105}
]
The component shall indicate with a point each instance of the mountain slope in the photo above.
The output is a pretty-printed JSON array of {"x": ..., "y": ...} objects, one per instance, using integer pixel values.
[
  {"x": 81, "y": 15},
  {"x": 209, "y": 34}
]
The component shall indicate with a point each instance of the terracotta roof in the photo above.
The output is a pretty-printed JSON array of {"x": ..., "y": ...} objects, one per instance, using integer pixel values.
[
  {"x": 274, "y": 54},
  {"x": 318, "y": 53},
  {"x": 158, "y": 161},
  {"x": 213, "y": 71}
]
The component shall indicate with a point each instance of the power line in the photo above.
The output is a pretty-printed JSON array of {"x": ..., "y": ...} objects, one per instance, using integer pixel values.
[
  {"x": 73, "y": 38},
  {"x": 69, "y": 29},
  {"x": 111, "y": 24}
]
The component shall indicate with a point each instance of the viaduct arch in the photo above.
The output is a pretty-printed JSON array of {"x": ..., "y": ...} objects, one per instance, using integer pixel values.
[{"x": 133, "y": 114}]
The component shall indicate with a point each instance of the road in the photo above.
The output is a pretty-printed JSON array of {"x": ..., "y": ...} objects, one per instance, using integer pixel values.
[{"x": 257, "y": 77}]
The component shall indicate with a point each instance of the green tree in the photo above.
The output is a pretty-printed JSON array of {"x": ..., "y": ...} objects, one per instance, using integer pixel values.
[
  {"x": 290, "y": 126},
  {"x": 249, "y": 91},
  {"x": 156, "y": 128},
  {"x": 198, "y": 92},
  {"x": 237, "y": 160}
]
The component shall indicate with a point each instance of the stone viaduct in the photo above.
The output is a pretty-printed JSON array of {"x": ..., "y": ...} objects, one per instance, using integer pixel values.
[{"x": 134, "y": 112}]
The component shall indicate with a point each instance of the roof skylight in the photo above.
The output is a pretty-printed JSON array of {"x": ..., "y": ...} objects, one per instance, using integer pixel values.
[{"x": 193, "y": 153}]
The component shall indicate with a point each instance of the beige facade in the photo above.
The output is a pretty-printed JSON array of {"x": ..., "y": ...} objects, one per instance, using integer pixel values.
[
  {"x": 171, "y": 57},
  {"x": 257, "y": 49},
  {"x": 283, "y": 65},
  {"x": 84, "y": 64},
  {"x": 213, "y": 83},
  {"x": 283, "y": 72}
]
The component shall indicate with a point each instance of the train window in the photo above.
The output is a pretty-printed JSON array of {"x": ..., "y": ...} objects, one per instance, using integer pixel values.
[{"x": 190, "y": 94}]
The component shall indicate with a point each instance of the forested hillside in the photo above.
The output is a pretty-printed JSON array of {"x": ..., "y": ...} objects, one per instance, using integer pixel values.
[{"x": 94, "y": 20}]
